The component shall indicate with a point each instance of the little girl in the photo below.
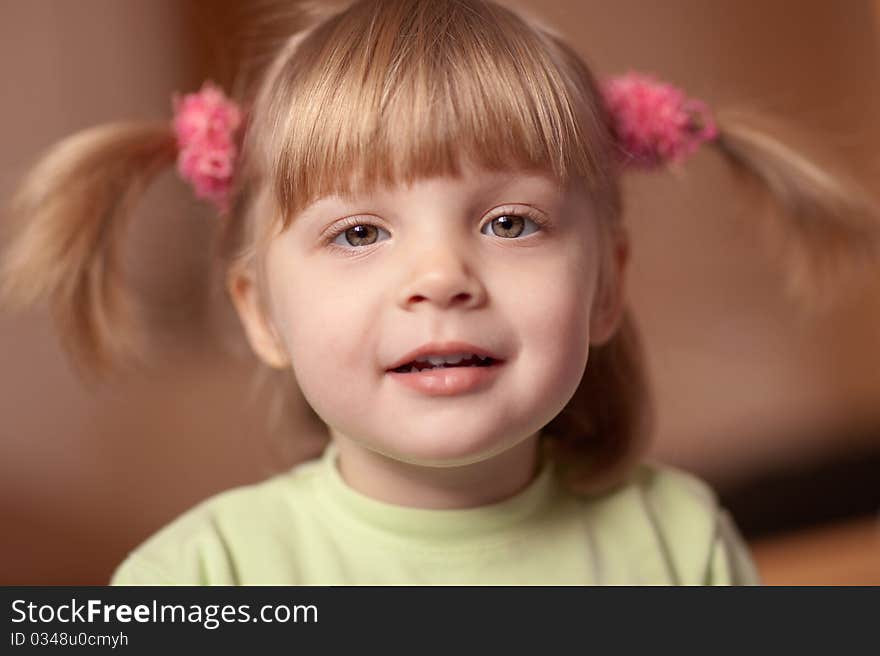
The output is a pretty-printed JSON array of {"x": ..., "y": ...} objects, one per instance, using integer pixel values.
[{"x": 421, "y": 222}]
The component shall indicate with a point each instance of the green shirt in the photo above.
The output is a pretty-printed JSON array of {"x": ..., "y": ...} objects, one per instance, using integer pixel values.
[{"x": 308, "y": 527}]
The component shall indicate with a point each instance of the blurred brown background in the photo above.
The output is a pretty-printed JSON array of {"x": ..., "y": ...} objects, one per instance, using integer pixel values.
[{"x": 779, "y": 411}]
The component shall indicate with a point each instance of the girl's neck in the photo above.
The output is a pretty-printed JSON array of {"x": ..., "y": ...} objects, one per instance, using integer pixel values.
[{"x": 467, "y": 486}]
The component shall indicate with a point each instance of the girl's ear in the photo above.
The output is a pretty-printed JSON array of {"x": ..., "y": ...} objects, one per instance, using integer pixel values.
[
  {"x": 261, "y": 333},
  {"x": 608, "y": 305}
]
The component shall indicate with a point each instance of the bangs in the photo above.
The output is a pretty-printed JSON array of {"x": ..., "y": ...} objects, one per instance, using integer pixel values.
[{"x": 393, "y": 91}]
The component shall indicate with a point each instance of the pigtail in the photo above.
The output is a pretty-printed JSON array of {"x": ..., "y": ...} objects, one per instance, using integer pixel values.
[
  {"x": 68, "y": 217},
  {"x": 828, "y": 227}
]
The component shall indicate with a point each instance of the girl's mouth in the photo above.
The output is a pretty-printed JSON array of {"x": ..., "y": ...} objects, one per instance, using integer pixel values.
[
  {"x": 418, "y": 365},
  {"x": 448, "y": 379}
]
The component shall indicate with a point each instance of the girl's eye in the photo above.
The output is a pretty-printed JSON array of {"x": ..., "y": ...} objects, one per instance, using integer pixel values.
[
  {"x": 359, "y": 234},
  {"x": 355, "y": 234},
  {"x": 509, "y": 226}
]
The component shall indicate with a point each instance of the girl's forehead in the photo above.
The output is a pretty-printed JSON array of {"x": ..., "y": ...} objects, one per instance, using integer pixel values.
[{"x": 473, "y": 181}]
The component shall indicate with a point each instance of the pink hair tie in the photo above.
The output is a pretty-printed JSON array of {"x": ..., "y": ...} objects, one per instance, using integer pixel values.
[
  {"x": 655, "y": 123},
  {"x": 205, "y": 124}
]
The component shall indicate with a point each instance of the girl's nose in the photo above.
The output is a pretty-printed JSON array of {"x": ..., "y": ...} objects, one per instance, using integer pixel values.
[{"x": 443, "y": 278}]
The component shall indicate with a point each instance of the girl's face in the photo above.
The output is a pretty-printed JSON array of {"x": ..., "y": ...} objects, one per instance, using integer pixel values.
[{"x": 505, "y": 262}]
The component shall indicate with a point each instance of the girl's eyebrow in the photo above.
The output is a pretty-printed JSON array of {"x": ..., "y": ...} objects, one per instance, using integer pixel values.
[
  {"x": 318, "y": 208},
  {"x": 524, "y": 182}
]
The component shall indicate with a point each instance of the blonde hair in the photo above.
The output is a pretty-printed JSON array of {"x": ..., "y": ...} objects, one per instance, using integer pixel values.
[{"x": 377, "y": 92}]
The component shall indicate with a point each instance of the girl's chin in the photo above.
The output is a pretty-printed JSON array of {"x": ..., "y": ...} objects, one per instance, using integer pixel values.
[{"x": 445, "y": 455}]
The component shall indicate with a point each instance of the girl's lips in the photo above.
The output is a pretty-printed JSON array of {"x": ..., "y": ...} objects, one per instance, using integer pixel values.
[
  {"x": 441, "y": 348},
  {"x": 448, "y": 381}
]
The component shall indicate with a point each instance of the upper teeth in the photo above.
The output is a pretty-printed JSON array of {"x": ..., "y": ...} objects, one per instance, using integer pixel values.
[{"x": 454, "y": 358}]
